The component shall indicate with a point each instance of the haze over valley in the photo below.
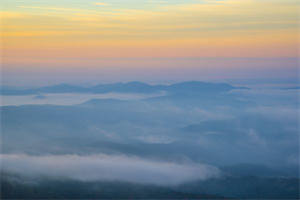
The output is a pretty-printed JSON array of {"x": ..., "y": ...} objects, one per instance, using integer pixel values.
[{"x": 179, "y": 137}]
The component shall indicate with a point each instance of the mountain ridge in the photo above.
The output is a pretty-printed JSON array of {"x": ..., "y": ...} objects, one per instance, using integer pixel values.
[{"x": 128, "y": 87}]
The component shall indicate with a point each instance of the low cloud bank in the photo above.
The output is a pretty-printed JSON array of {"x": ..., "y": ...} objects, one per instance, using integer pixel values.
[{"x": 102, "y": 167}]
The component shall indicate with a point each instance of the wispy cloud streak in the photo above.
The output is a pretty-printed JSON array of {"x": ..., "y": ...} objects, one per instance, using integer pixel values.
[{"x": 103, "y": 167}]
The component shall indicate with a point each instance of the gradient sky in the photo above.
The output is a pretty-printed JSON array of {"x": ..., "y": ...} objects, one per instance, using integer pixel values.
[{"x": 85, "y": 41}]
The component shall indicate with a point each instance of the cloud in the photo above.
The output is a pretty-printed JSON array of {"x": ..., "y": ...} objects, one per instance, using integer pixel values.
[
  {"x": 71, "y": 98},
  {"x": 277, "y": 112},
  {"x": 102, "y": 167},
  {"x": 52, "y": 8},
  {"x": 101, "y": 4}
]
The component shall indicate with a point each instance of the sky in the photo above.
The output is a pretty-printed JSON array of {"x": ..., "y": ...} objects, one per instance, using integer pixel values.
[{"x": 89, "y": 41}]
